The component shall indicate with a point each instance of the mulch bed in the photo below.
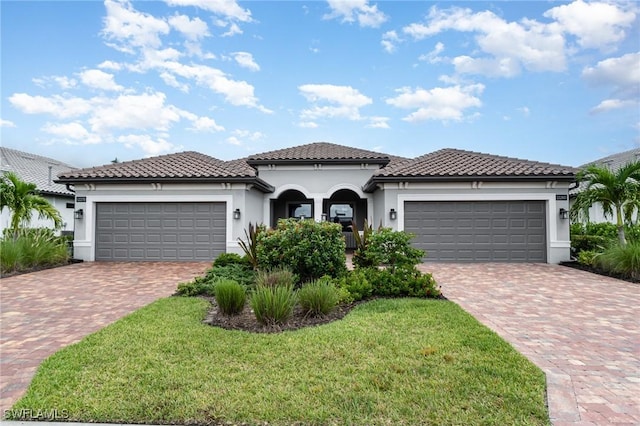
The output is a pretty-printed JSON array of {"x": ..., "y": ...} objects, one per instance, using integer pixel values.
[
  {"x": 598, "y": 271},
  {"x": 246, "y": 320}
]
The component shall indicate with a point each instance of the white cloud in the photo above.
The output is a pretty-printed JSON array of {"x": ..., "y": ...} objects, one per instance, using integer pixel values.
[
  {"x": 508, "y": 45},
  {"x": 433, "y": 57},
  {"x": 247, "y": 134},
  {"x": 378, "y": 123},
  {"x": 6, "y": 123},
  {"x": 205, "y": 124},
  {"x": 389, "y": 41},
  {"x": 232, "y": 140},
  {"x": 227, "y": 8},
  {"x": 63, "y": 82},
  {"x": 193, "y": 29},
  {"x": 613, "y": 104},
  {"x": 525, "y": 111},
  {"x": 98, "y": 79},
  {"x": 356, "y": 10},
  {"x": 146, "y": 111},
  {"x": 110, "y": 65},
  {"x": 308, "y": 125},
  {"x": 129, "y": 29},
  {"x": 245, "y": 60},
  {"x": 58, "y": 106},
  {"x": 345, "y": 101},
  {"x": 598, "y": 25},
  {"x": 72, "y": 133},
  {"x": 235, "y": 92},
  {"x": 234, "y": 29},
  {"x": 622, "y": 74},
  {"x": 150, "y": 146},
  {"x": 440, "y": 103}
]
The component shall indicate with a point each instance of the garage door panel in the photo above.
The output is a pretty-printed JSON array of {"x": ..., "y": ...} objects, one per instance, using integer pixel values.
[
  {"x": 479, "y": 231},
  {"x": 160, "y": 231}
]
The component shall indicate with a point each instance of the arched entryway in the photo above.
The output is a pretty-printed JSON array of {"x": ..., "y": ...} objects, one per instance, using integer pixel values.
[
  {"x": 343, "y": 207},
  {"x": 291, "y": 203}
]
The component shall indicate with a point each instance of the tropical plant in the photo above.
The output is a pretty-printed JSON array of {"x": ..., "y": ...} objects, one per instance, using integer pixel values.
[
  {"x": 22, "y": 199},
  {"x": 250, "y": 247},
  {"x": 618, "y": 192},
  {"x": 362, "y": 243},
  {"x": 624, "y": 260}
]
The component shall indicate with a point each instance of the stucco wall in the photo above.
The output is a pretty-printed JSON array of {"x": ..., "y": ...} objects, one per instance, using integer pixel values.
[{"x": 316, "y": 182}]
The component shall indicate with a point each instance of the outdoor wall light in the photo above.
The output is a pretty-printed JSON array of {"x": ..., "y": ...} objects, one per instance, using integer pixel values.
[
  {"x": 323, "y": 217},
  {"x": 564, "y": 214},
  {"x": 393, "y": 215},
  {"x": 236, "y": 214},
  {"x": 78, "y": 214}
]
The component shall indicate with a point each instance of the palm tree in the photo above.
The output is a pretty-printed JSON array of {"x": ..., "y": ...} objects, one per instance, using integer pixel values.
[
  {"x": 22, "y": 199},
  {"x": 618, "y": 192}
]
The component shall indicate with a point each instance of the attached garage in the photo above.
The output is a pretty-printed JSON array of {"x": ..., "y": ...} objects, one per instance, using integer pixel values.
[
  {"x": 478, "y": 231},
  {"x": 160, "y": 231}
]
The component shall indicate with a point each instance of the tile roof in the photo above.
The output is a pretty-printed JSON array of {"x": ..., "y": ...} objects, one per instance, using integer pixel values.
[
  {"x": 459, "y": 163},
  {"x": 182, "y": 166},
  {"x": 35, "y": 169},
  {"x": 187, "y": 164},
  {"x": 319, "y": 151}
]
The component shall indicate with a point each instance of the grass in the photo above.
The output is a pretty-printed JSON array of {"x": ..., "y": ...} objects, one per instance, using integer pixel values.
[{"x": 403, "y": 361}]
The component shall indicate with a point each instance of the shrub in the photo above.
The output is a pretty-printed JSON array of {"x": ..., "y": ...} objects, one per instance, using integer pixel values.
[
  {"x": 32, "y": 248},
  {"x": 632, "y": 233},
  {"x": 226, "y": 259},
  {"x": 624, "y": 260},
  {"x": 393, "y": 248},
  {"x": 404, "y": 281},
  {"x": 355, "y": 283},
  {"x": 360, "y": 258},
  {"x": 199, "y": 286},
  {"x": 318, "y": 297},
  {"x": 588, "y": 257},
  {"x": 243, "y": 274},
  {"x": 580, "y": 243},
  {"x": 230, "y": 296},
  {"x": 273, "y": 305},
  {"x": 307, "y": 248},
  {"x": 276, "y": 277}
]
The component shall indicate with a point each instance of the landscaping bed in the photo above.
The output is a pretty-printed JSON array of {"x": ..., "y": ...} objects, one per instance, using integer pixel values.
[{"x": 599, "y": 271}]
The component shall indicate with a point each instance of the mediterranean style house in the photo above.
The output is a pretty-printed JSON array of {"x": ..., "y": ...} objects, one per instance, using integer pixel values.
[
  {"x": 41, "y": 171},
  {"x": 461, "y": 206}
]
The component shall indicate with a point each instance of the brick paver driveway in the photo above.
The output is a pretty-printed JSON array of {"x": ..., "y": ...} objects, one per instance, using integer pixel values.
[
  {"x": 44, "y": 311},
  {"x": 581, "y": 329}
]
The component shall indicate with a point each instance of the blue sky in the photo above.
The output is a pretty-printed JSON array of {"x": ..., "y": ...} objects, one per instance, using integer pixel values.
[{"x": 89, "y": 81}]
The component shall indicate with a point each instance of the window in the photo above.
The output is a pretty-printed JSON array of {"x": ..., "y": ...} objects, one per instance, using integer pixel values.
[
  {"x": 299, "y": 210},
  {"x": 341, "y": 213}
]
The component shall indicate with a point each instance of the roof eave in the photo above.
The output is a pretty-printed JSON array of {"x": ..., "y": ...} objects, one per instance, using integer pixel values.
[
  {"x": 255, "y": 181},
  {"x": 372, "y": 183},
  {"x": 344, "y": 161}
]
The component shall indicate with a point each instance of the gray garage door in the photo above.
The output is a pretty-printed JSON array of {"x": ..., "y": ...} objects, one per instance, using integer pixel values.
[
  {"x": 478, "y": 231},
  {"x": 160, "y": 231}
]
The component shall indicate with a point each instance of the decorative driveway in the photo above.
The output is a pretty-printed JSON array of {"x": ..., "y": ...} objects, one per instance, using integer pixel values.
[
  {"x": 44, "y": 311},
  {"x": 581, "y": 329}
]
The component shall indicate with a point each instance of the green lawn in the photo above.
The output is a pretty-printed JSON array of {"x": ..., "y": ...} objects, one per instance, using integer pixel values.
[{"x": 404, "y": 361}]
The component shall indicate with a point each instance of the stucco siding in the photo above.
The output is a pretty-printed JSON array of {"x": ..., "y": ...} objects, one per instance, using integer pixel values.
[{"x": 59, "y": 202}]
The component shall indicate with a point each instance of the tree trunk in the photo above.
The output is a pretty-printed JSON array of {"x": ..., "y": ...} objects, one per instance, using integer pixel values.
[{"x": 620, "y": 225}]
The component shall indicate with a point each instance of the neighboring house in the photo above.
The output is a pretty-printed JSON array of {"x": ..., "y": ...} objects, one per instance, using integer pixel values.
[
  {"x": 41, "y": 171},
  {"x": 614, "y": 162},
  {"x": 462, "y": 206}
]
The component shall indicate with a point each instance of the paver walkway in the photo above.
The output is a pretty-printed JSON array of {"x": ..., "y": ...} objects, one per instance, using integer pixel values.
[
  {"x": 44, "y": 311},
  {"x": 581, "y": 329}
]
